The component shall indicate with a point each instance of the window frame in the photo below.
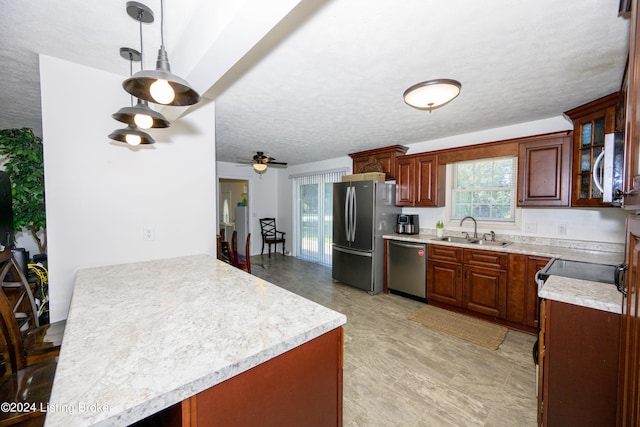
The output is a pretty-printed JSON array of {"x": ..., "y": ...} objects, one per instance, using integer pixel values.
[{"x": 450, "y": 222}]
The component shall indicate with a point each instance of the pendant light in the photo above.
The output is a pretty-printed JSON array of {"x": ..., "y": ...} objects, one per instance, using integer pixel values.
[
  {"x": 131, "y": 134},
  {"x": 432, "y": 94},
  {"x": 140, "y": 115},
  {"x": 160, "y": 85}
]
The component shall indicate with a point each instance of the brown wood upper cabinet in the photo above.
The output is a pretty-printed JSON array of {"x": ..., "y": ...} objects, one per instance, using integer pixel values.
[
  {"x": 590, "y": 124},
  {"x": 385, "y": 156},
  {"x": 544, "y": 171},
  {"x": 419, "y": 180}
]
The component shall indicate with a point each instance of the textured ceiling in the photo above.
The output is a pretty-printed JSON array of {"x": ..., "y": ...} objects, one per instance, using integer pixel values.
[{"x": 333, "y": 85}]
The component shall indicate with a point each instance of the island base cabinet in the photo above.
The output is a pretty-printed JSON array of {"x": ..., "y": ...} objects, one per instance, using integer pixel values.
[
  {"x": 579, "y": 378},
  {"x": 300, "y": 387}
]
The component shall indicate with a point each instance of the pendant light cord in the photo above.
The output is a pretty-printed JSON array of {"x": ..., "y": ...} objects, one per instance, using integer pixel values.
[
  {"x": 140, "y": 13},
  {"x": 130, "y": 74},
  {"x": 162, "y": 23}
]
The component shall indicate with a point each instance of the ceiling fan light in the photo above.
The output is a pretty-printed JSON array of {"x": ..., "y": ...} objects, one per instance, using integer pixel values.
[
  {"x": 259, "y": 168},
  {"x": 132, "y": 136},
  {"x": 432, "y": 94}
]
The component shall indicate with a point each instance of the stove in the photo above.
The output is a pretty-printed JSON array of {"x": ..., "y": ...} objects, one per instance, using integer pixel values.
[{"x": 603, "y": 273}]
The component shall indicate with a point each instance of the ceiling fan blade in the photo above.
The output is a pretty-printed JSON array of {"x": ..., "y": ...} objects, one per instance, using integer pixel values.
[{"x": 278, "y": 163}]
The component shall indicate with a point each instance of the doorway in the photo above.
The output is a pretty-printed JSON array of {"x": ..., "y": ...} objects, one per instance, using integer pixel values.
[{"x": 233, "y": 209}]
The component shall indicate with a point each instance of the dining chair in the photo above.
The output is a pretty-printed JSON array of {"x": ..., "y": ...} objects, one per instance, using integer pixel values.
[
  {"x": 270, "y": 235},
  {"x": 28, "y": 386},
  {"x": 17, "y": 289},
  {"x": 240, "y": 261},
  {"x": 37, "y": 342}
]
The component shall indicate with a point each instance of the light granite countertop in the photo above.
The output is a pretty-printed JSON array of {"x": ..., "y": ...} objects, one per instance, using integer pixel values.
[
  {"x": 141, "y": 337},
  {"x": 584, "y": 293},
  {"x": 600, "y": 253},
  {"x": 601, "y": 296}
]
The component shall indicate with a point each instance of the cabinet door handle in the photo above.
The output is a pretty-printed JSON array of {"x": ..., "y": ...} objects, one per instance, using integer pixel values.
[{"x": 465, "y": 273}]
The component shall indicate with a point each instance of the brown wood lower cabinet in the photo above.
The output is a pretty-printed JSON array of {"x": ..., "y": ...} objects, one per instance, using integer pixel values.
[
  {"x": 475, "y": 280},
  {"x": 579, "y": 350},
  {"x": 494, "y": 285},
  {"x": 302, "y": 387},
  {"x": 522, "y": 294}
]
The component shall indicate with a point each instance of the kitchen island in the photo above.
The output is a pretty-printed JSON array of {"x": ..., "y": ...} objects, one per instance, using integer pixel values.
[{"x": 195, "y": 339}]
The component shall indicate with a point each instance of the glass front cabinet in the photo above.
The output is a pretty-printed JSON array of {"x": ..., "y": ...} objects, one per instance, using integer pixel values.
[{"x": 590, "y": 124}]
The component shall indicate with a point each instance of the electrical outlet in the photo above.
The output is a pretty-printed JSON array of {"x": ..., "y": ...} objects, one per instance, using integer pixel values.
[
  {"x": 531, "y": 228},
  {"x": 148, "y": 233},
  {"x": 562, "y": 229}
]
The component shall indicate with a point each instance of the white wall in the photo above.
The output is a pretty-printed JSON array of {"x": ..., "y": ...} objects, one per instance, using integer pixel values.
[
  {"x": 100, "y": 195},
  {"x": 263, "y": 197}
]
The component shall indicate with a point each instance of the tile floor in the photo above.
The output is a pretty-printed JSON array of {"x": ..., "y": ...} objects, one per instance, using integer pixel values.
[{"x": 400, "y": 373}]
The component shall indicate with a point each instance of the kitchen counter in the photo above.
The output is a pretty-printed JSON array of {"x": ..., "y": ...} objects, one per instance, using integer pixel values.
[
  {"x": 583, "y": 293},
  {"x": 144, "y": 336},
  {"x": 598, "y": 253},
  {"x": 600, "y": 296}
]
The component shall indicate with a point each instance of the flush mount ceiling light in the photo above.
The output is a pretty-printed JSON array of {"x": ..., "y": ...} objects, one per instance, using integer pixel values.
[
  {"x": 140, "y": 115},
  {"x": 259, "y": 168},
  {"x": 160, "y": 85},
  {"x": 132, "y": 136},
  {"x": 432, "y": 94}
]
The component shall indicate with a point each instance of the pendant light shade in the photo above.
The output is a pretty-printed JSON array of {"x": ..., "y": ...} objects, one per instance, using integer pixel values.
[
  {"x": 132, "y": 136},
  {"x": 432, "y": 94},
  {"x": 161, "y": 86},
  {"x": 142, "y": 116}
]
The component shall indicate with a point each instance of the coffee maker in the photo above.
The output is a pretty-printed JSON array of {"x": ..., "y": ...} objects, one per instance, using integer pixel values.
[{"x": 408, "y": 224}]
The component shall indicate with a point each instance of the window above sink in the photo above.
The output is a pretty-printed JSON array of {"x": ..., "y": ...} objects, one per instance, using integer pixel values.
[{"x": 485, "y": 189}]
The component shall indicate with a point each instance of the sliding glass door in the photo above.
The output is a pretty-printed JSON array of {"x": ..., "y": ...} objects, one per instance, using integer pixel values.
[{"x": 315, "y": 216}]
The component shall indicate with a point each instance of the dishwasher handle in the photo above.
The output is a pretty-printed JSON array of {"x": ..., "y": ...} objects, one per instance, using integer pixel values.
[{"x": 409, "y": 245}]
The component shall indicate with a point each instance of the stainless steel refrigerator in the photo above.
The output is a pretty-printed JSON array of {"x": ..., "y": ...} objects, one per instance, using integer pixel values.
[{"x": 362, "y": 212}]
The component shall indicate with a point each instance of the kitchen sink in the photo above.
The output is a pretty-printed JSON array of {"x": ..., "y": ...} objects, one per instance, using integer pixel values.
[
  {"x": 457, "y": 240},
  {"x": 452, "y": 239},
  {"x": 490, "y": 243}
]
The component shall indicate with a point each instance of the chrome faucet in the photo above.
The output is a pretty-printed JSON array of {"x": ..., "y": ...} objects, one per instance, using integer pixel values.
[
  {"x": 491, "y": 234},
  {"x": 475, "y": 225}
]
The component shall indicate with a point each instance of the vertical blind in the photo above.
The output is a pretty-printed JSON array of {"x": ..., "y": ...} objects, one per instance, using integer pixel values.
[{"x": 313, "y": 199}]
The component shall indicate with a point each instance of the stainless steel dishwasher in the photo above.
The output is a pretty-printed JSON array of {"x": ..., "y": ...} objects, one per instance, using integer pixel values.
[{"x": 407, "y": 269}]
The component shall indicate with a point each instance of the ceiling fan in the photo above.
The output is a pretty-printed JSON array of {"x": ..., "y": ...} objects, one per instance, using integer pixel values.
[{"x": 260, "y": 162}]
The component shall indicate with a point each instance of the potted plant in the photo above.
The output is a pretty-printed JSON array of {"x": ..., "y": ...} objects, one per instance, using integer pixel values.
[
  {"x": 21, "y": 151},
  {"x": 440, "y": 228}
]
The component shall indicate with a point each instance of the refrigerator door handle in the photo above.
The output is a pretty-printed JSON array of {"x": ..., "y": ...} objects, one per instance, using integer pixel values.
[
  {"x": 347, "y": 219},
  {"x": 352, "y": 252},
  {"x": 354, "y": 214}
]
